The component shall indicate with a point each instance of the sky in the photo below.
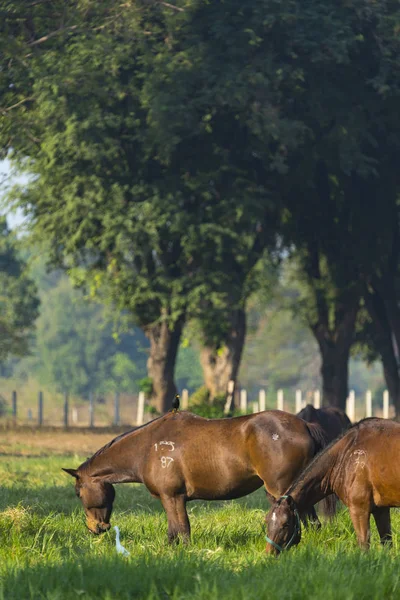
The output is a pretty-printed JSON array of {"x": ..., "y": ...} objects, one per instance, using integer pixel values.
[{"x": 14, "y": 219}]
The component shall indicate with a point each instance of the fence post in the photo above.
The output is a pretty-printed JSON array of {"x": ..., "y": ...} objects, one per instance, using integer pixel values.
[
  {"x": 14, "y": 406},
  {"x": 351, "y": 405},
  {"x": 243, "y": 401},
  {"x": 74, "y": 415},
  {"x": 299, "y": 401},
  {"x": 116, "y": 409},
  {"x": 261, "y": 400},
  {"x": 317, "y": 399},
  {"x": 279, "y": 403},
  {"x": 368, "y": 403},
  {"x": 140, "y": 409},
  {"x": 229, "y": 396},
  {"x": 40, "y": 409},
  {"x": 385, "y": 404},
  {"x": 91, "y": 409},
  {"x": 66, "y": 409},
  {"x": 185, "y": 399}
]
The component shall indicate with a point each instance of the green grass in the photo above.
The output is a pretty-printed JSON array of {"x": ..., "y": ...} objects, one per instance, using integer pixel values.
[{"x": 47, "y": 553}]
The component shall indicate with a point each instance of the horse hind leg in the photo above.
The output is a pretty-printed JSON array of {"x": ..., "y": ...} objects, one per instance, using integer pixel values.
[
  {"x": 177, "y": 517},
  {"x": 382, "y": 520},
  {"x": 360, "y": 518}
]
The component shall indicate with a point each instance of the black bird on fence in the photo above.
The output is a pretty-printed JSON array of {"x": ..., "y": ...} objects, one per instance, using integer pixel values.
[{"x": 176, "y": 403}]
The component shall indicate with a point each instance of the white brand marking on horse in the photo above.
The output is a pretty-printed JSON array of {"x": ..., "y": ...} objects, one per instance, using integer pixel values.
[
  {"x": 164, "y": 443},
  {"x": 273, "y": 518},
  {"x": 275, "y": 436},
  {"x": 360, "y": 454},
  {"x": 166, "y": 461}
]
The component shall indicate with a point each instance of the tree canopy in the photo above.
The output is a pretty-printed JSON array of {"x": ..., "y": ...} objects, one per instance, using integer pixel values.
[{"x": 18, "y": 298}]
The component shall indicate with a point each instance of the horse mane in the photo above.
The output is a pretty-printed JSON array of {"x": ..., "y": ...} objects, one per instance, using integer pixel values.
[
  {"x": 116, "y": 439},
  {"x": 307, "y": 413},
  {"x": 351, "y": 432},
  {"x": 318, "y": 435}
]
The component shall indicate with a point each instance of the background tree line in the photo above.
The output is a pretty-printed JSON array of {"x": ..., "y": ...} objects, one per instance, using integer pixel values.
[{"x": 180, "y": 152}]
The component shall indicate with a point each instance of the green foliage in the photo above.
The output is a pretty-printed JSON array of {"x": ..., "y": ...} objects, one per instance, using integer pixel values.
[
  {"x": 92, "y": 199},
  {"x": 18, "y": 298},
  {"x": 199, "y": 404},
  {"x": 200, "y": 396},
  {"x": 146, "y": 385},
  {"x": 75, "y": 349},
  {"x": 188, "y": 372}
]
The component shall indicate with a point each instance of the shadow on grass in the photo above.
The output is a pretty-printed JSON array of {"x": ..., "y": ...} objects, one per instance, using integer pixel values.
[{"x": 308, "y": 575}]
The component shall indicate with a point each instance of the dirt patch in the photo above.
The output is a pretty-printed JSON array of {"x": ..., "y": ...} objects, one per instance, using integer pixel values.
[{"x": 31, "y": 442}]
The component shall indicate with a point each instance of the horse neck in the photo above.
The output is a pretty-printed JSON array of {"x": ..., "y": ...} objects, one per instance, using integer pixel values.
[
  {"x": 122, "y": 462},
  {"x": 315, "y": 483}
]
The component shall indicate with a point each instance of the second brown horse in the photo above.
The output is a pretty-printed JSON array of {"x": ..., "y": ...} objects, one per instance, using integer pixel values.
[
  {"x": 181, "y": 457},
  {"x": 362, "y": 468}
]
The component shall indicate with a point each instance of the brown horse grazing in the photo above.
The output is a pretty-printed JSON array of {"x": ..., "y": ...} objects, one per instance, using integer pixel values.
[
  {"x": 333, "y": 421},
  {"x": 181, "y": 457},
  {"x": 361, "y": 468}
]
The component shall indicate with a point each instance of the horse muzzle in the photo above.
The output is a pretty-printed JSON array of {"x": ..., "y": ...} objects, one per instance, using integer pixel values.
[{"x": 98, "y": 528}]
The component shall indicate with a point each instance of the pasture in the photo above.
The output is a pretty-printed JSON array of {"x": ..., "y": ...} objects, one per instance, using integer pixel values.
[{"x": 47, "y": 553}]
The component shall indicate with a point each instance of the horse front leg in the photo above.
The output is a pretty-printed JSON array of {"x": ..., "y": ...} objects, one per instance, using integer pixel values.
[
  {"x": 360, "y": 518},
  {"x": 309, "y": 517},
  {"x": 382, "y": 520},
  {"x": 177, "y": 517}
]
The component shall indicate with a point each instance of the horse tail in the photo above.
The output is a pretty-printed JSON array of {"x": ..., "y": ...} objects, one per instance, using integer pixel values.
[{"x": 318, "y": 435}]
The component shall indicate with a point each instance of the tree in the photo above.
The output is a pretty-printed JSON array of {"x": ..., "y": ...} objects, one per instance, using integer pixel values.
[
  {"x": 346, "y": 98},
  {"x": 18, "y": 298},
  {"x": 121, "y": 212},
  {"x": 223, "y": 328}
]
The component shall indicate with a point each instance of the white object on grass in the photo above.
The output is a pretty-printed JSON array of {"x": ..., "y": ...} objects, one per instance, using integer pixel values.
[{"x": 120, "y": 548}]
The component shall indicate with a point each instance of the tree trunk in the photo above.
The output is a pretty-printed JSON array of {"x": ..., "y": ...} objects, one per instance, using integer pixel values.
[
  {"x": 164, "y": 344},
  {"x": 384, "y": 343},
  {"x": 335, "y": 343},
  {"x": 335, "y": 375},
  {"x": 222, "y": 365}
]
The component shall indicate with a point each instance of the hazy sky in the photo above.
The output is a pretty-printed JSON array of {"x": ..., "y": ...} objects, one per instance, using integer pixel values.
[{"x": 6, "y": 180}]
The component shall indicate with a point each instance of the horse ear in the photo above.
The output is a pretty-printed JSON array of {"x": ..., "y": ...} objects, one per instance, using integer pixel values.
[{"x": 73, "y": 472}]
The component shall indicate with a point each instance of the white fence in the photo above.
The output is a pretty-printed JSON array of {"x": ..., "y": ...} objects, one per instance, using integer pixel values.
[{"x": 357, "y": 407}]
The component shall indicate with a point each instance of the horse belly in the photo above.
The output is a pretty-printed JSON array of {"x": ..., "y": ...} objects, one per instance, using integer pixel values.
[
  {"x": 386, "y": 486},
  {"x": 220, "y": 479},
  {"x": 222, "y": 490}
]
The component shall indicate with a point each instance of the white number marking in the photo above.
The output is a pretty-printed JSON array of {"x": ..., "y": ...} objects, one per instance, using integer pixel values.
[
  {"x": 166, "y": 461},
  {"x": 164, "y": 443}
]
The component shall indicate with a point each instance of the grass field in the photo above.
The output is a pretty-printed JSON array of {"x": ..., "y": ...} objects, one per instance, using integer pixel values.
[{"x": 46, "y": 551}]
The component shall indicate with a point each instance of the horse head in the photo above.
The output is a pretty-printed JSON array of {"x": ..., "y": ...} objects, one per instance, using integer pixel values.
[
  {"x": 97, "y": 498},
  {"x": 283, "y": 526}
]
